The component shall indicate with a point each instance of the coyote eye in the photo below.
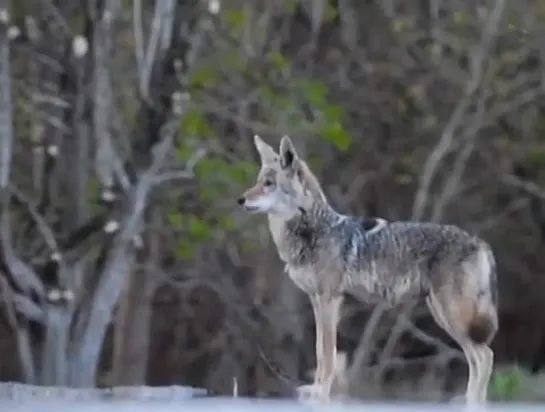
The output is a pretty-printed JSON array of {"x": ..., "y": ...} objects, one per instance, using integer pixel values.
[{"x": 268, "y": 183}]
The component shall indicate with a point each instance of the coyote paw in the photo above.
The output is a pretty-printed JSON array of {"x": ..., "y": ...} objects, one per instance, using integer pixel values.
[
  {"x": 312, "y": 393},
  {"x": 472, "y": 405}
]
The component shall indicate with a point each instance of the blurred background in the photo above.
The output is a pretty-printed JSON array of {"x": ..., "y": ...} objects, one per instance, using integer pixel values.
[{"x": 126, "y": 134}]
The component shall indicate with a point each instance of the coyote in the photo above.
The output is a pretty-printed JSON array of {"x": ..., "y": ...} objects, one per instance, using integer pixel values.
[{"x": 327, "y": 254}]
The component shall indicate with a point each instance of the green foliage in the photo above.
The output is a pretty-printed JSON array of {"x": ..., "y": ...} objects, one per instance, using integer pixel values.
[
  {"x": 314, "y": 91},
  {"x": 536, "y": 157},
  {"x": 193, "y": 229},
  {"x": 216, "y": 178},
  {"x": 290, "y": 6},
  {"x": 461, "y": 18},
  {"x": 274, "y": 99},
  {"x": 77, "y": 23},
  {"x": 194, "y": 124},
  {"x": 185, "y": 248},
  {"x": 332, "y": 130},
  {"x": 330, "y": 13},
  {"x": 508, "y": 385},
  {"x": 197, "y": 228},
  {"x": 278, "y": 61},
  {"x": 401, "y": 25},
  {"x": 217, "y": 169},
  {"x": 329, "y": 125},
  {"x": 205, "y": 77},
  {"x": 93, "y": 195},
  {"x": 284, "y": 97},
  {"x": 127, "y": 5},
  {"x": 236, "y": 19},
  {"x": 175, "y": 219}
]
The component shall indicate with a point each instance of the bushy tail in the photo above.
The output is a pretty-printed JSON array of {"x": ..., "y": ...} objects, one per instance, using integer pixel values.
[
  {"x": 484, "y": 325},
  {"x": 482, "y": 328}
]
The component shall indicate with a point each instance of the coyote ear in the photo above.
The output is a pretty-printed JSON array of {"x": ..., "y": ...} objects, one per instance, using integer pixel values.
[
  {"x": 288, "y": 155},
  {"x": 265, "y": 151}
]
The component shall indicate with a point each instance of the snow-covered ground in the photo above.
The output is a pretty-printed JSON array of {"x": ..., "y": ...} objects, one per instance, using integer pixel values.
[
  {"x": 239, "y": 405},
  {"x": 16, "y": 397}
]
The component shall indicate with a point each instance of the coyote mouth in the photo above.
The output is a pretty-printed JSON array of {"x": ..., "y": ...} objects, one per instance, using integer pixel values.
[{"x": 251, "y": 209}]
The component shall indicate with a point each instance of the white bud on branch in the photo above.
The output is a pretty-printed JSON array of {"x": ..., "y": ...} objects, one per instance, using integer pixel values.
[
  {"x": 54, "y": 295},
  {"x": 68, "y": 295},
  {"x": 80, "y": 46},
  {"x": 111, "y": 226},
  {"x": 4, "y": 16},
  {"x": 52, "y": 150},
  {"x": 13, "y": 32},
  {"x": 214, "y": 6},
  {"x": 108, "y": 196}
]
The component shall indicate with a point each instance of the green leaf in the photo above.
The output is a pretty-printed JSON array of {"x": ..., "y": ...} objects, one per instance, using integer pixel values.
[
  {"x": 227, "y": 223},
  {"x": 315, "y": 162},
  {"x": 184, "y": 151},
  {"x": 198, "y": 228},
  {"x": 243, "y": 172},
  {"x": 185, "y": 249},
  {"x": 313, "y": 90},
  {"x": 236, "y": 19},
  {"x": 460, "y": 18},
  {"x": 330, "y": 13},
  {"x": 508, "y": 384},
  {"x": 399, "y": 25},
  {"x": 93, "y": 188},
  {"x": 175, "y": 219},
  {"x": 278, "y": 61},
  {"x": 334, "y": 132},
  {"x": 195, "y": 124},
  {"x": 334, "y": 113},
  {"x": 205, "y": 77},
  {"x": 291, "y": 6},
  {"x": 536, "y": 157}
]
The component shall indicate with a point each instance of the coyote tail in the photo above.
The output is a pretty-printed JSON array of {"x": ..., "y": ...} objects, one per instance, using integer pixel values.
[{"x": 484, "y": 324}]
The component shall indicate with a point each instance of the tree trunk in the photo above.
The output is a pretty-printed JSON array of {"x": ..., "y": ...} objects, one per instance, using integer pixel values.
[{"x": 132, "y": 331}]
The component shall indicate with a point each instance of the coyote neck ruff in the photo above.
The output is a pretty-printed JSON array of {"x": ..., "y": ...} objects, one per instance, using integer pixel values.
[{"x": 327, "y": 254}]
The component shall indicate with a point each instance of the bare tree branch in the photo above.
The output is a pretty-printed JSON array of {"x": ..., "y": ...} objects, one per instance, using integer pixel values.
[
  {"x": 105, "y": 156},
  {"x": 25, "y": 278},
  {"x": 28, "y": 308},
  {"x": 40, "y": 222},
  {"x": 162, "y": 23},
  {"x": 477, "y": 62},
  {"x": 453, "y": 182},
  {"x": 120, "y": 258}
]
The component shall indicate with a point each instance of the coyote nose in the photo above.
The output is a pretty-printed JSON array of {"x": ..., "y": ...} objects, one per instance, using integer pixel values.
[{"x": 241, "y": 200}]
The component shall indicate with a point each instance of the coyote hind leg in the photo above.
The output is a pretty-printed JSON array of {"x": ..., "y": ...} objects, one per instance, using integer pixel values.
[
  {"x": 457, "y": 316},
  {"x": 440, "y": 318},
  {"x": 486, "y": 359}
]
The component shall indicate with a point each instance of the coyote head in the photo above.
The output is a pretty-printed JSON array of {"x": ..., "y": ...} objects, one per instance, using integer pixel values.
[{"x": 285, "y": 185}]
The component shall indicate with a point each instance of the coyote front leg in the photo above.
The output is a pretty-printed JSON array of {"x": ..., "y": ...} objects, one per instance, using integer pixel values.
[
  {"x": 317, "y": 309},
  {"x": 330, "y": 308},
  {"x": 326, "y": 315}
]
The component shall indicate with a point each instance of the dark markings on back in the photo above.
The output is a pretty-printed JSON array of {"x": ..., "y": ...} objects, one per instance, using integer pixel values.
[{"x": 368, "y": 223}]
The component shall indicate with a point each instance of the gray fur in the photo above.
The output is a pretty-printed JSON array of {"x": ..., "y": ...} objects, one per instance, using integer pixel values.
[{"x": 328, "y": 254}]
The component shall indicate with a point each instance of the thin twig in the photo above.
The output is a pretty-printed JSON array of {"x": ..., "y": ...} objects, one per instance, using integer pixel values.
[{"x": 447, "y": 139}]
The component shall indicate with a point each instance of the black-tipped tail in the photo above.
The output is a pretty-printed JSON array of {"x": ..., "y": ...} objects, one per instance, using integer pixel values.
[{"x": 482, "y": 329}]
